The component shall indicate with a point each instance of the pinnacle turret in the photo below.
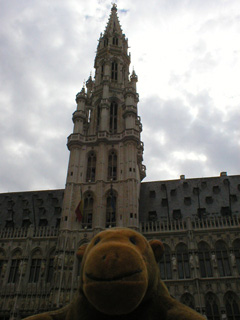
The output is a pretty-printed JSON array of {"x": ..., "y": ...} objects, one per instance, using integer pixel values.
[
  {"x": 89, "y": 85},
  {"x": 81, "y": 94},
  {"x": 134, "y": 76}
]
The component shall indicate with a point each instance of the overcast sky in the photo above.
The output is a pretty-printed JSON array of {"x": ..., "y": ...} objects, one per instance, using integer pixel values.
[{"x": 186, "y": 54}]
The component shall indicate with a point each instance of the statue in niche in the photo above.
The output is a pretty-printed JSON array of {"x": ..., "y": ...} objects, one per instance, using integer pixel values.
[
  {"x": 192, "y": 262},
  {"x": 4, "y": 268},
  {"x": 43, "y": 266},
  {"x": 214, "y": 259},
  {"x": 22, "y": 267},
  {"x": 174, "y": 263},
  {"x": 232, "y": 259}
]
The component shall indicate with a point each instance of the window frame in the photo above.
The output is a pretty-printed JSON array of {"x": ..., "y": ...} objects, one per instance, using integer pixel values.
[
  {"x": 183, "y": 265},
  {"x": 91, "y": 167}
]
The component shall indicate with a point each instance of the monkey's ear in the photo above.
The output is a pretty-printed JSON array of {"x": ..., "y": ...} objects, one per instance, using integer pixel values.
[
  {"x": 157, "y": 248},
  {"x": 81, "y": 250}
]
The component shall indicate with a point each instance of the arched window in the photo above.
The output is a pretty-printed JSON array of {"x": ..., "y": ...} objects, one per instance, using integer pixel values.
[
  {"x": 98, "y": 115},
  {"x": 165, "y": 264},
  {"x": 204, "y": 260},
  {"x": 50, "y": 267},
  {"x": 232, "y": 306},
  {"x": 113, "y": 117},
  {"x": 105, "y": 42},
  {"x": 112, "y": 166},
  {"x": 188, "y": 300},
  {"x": 3, "y": 263},
  {"x": 115, "y": 41},
  {"x": 212, "y": 307},
  {"x": 236, "y": 248},
  {"x": 91, "y": 167},
  {"x": 14, "y": 268},
  {"x": 111, "y": 209},
  {"x": 102, "y": 71},
  {"x": 223, "y": 259},
  {"x": 114, "y": 75},
  {"x": 87, "y": 210},
  {"x": 89, "y": 111},
  {"x": 183, "y": 261},
  {"x": 35, "y": 266}
]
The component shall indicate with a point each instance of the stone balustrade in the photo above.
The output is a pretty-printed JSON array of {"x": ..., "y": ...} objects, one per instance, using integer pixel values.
[
  {"x": 79, "y": 138},
  {"x": 188, "y": 224},
  {"x": 38, "y": 232}
]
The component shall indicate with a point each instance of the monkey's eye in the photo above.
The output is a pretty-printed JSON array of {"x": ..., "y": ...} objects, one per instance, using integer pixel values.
[
  {"x": 96, "y": 241},
  {"x": 133, "y": 240}
]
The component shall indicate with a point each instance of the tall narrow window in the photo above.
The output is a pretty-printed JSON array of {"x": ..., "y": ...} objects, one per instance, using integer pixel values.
[
  {"x": 232, "y": 306},
  {"x": 112, "y": 166},
  {"x": 98, "y": 115},
  {"x": 111, "y": 210},
  {"x": 115, "y": 41},
  {"x": 14, "y": 274},
  {"x": 105, "y": 42},
  {"x": 223, "y": 259},
  {"x": 212, "y": 307},
  {"x": 1, "y": 265},
  {"x": 2, "y": 262},
  {"x": 35, "y": 270},
  {"x": 102, "y": 71},
  {"x": 87, "y": 211},
  {"x": 89, "y": 115},
  {"x": 166, "y": 265},
  {"x": 113, "y": 117},
  {"x": 236, "y": 248},
  {"x": 188, "y": 300},
  {"x": 50, "y": 268},
  {"x": 204, "y": 260},
  {"x": 14, "y": 268},
  {"x": 91, "y": 167},
  {"x": 114, "y": 75},
  {"x": 183, "y": 261},
  {"x": 35, "y": 267}
]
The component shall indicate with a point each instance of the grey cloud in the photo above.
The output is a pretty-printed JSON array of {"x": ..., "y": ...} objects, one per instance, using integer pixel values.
[
  {"x": 47, "y": 50},
  {"x": 201, "y": 64},
  {"x": 206, "y": 135}
]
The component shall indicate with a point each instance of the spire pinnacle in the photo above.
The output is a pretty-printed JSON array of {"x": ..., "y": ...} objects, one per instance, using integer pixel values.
[
  {"x": 113, "y": 25},
  {"x": 114, "y": 6}
]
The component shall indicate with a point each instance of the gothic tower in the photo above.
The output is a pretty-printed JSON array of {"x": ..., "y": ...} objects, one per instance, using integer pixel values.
[{"x": 105, "y": 165}]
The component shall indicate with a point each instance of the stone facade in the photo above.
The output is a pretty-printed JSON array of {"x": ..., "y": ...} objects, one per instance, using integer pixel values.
[{"x": 197, "y": 219}]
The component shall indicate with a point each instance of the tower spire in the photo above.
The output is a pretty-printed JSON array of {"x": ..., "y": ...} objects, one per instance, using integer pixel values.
[
  {"x": 113, "y": 25},
  {"x": 105, "y": 147}
]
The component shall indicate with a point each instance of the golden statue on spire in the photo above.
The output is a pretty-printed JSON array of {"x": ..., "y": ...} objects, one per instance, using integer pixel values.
[{"x": 114, "y": 6}]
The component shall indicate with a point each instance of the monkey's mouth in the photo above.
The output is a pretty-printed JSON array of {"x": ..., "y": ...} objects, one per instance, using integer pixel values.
[{"x": 120, "y": 277}]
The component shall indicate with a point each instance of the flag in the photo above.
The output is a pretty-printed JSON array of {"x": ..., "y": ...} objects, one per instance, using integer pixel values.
[{"x": 79, "y": 209}]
